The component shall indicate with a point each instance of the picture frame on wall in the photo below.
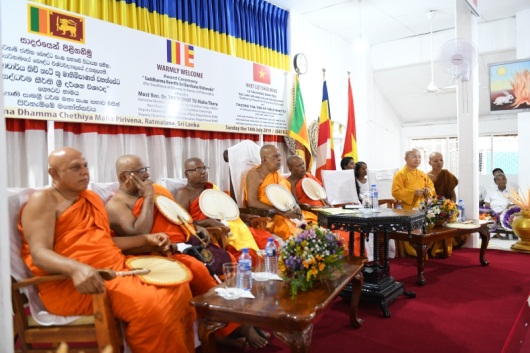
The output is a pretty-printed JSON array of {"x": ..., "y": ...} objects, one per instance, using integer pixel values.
[{"x": 509, "y": 86}]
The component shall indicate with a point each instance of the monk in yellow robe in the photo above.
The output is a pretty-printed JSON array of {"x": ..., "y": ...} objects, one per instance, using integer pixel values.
[
  {"x": 188, "y": 197},
  {"x": 296, "y": 165},
  {"x": 132, "y": 211},
  {"x": 444, "y": 183},
  {"x": 255, "y": 196},
  {"x": 411, "y": 186},
  {"x": 65, "y": 230}
]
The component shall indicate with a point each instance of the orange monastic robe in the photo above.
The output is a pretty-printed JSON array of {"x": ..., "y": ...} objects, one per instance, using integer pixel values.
[
  {"x": 283, "y": 227},
  {"x": 303, "y": 198},
  {"x": 202, "y": 280},
  {"x": 154, "y": 316}
]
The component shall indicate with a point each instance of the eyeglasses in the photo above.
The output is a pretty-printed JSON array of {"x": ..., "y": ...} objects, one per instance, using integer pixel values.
[
  {"x": 140, "y": 171},
  {"x": 198, "y": 170}
]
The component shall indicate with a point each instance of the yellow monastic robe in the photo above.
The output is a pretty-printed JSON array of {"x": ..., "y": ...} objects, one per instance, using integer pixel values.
[{"x": 403, "y": 186}]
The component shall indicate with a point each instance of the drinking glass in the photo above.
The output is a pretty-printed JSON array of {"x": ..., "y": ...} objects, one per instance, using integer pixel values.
[
  {"x": 230, "y": 273},
  {"x": 259, "y": 269}
]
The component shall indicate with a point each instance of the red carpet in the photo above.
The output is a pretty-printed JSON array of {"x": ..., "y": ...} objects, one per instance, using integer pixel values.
[{"x": 463, "y": 308}]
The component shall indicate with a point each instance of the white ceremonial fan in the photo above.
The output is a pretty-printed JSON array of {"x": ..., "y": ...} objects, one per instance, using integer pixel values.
[
  {"x": 174, "y": 212},
  {"x": 280, "y": 197},
  {"x": 313, "y": 190},
  {"x": 218, "y": 205},
  {"x": 162, "y": 270}
]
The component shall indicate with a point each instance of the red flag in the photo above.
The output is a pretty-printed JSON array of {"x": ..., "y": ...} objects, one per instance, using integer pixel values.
[
  {"x": 325, "y": 151},
  {"x": 262, "y": 74},
  {"x": 350, "y": 140}
]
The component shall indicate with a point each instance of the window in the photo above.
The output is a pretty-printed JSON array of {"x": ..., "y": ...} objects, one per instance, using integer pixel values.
[
  {"x": 495, "y": 151},
  {"x": 499, "y": 151}
]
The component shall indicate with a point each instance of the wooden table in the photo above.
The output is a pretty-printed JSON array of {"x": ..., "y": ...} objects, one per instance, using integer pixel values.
[
  {"x": 273, "y": 308},
  {"x": 421, "y": 240},
  {"x": 378, "y": 286}
]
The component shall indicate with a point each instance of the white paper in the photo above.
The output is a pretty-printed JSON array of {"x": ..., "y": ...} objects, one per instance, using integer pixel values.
[
  {"x": 241, "y": 293},
  {"x": 340, "y": 186}
]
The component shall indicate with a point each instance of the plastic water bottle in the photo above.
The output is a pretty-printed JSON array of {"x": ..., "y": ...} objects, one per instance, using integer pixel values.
[
  {"x": 271, "y": 257},
  {"x": 244, "y": 270},
  {"x": 374, "y": 197},
  {"x": 461, "y": 211}
]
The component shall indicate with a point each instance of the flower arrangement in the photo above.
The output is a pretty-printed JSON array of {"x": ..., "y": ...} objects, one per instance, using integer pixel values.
[
  {"x": 439, "y": 210},
  {"x": 309, "y": 255}
]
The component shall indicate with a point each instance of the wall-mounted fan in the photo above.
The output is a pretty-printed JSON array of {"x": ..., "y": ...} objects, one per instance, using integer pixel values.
[
  {"x": 458, "y": 57},
  {"x": 433, "y": 87}
]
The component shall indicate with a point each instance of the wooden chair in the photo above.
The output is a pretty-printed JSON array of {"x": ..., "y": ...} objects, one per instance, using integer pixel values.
[{"x": 33, "y": 326}]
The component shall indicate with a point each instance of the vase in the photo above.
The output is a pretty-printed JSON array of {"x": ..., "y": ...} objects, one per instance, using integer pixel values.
[
  {"x": 439, "y": 222},
  {"x": 521, "y": 228}
]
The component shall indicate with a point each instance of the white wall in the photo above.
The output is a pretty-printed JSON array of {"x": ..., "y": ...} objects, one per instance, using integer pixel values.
[{"x": 375, "y": 120}]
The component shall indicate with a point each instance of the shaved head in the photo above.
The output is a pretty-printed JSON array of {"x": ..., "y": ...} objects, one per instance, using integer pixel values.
[
  {"x": 62, "y": 156},
  {"x": 267, "y": 149},
  {"x": 292, "y": 160},
  {"x": 434, "y": 154},
  {"x": 124, "y": 162},
  {"x": 190, "y": 162}
]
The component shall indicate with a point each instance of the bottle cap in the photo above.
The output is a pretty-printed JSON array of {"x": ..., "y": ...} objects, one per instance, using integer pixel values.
[
  {"x": 271, "y": 239},
  {"x": 244, "y": 250}
]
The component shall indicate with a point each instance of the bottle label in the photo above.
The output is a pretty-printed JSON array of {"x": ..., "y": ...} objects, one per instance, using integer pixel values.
[
  {"x": 245, "y": 265},
  {"x": 271, "y": 252}
]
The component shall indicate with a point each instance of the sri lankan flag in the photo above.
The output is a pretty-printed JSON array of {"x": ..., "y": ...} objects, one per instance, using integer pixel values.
[
  {"x": 299, "y": 128},
  {"x": 56, "y": 24},
  {"x": 39, "y": 20}
]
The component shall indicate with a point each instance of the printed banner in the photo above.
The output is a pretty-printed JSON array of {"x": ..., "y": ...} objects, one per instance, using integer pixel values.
[{"x": 67, "y": 67}]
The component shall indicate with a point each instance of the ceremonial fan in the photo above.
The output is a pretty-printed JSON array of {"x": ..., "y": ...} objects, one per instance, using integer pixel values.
[
  {"x": 218, "y": 205},
  {"x": 314, "y": 190},
  {"x": 156, "y": 270},
  {"x": 280, "y": 197},
  {"x": 179, "y": 216}
]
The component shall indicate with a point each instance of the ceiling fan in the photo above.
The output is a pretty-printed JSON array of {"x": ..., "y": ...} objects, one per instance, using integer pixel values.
[{"x": 432, "y": 87}]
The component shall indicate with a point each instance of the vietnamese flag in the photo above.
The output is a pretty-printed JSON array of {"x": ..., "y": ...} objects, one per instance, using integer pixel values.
[{"x": 262, "y": 74}]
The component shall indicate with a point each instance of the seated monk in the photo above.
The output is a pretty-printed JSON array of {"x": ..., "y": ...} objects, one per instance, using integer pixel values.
[
  {"x": 412, "y": 187},
  {"x": 296, "y": 165},
  {"x": 444, "y": 184},
  {"x": 255, "y": 184},
  {"x": 65, "y": 230},
  {"x": 132, "y": 211},
  {"x": 188, "y": 197}
]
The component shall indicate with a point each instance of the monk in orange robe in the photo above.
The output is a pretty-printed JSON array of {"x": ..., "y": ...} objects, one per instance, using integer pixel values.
[
  {"x": 65, "y": 230},
  {"x": 296, "y": 165},
  {"x": 256, "y": 182},
  {"x": 132, "y": 211},
  {"x": 241, "y": 236}
]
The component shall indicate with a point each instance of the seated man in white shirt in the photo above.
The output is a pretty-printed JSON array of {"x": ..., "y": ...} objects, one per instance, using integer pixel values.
[{"x": 496, "y": 198}]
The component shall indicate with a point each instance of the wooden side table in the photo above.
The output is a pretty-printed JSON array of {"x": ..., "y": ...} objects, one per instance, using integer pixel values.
[{"x": 273, "y": 308}]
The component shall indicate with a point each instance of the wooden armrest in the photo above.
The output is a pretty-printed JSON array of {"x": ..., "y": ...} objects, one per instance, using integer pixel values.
[
  {"x": 257, "y": 211},
  {"x": 260, "y": 223},
  {"x": 218, "y": 236},
  {"x": 36, "y": 280},
  {"x": 305, "y": 207}
]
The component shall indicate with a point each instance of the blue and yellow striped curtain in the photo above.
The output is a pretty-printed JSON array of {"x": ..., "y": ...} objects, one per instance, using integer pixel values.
[{"x": 249, "y": 29}]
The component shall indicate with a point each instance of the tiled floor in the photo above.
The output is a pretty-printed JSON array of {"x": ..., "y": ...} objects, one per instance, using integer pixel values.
[{"x": 501, "y": 244}]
